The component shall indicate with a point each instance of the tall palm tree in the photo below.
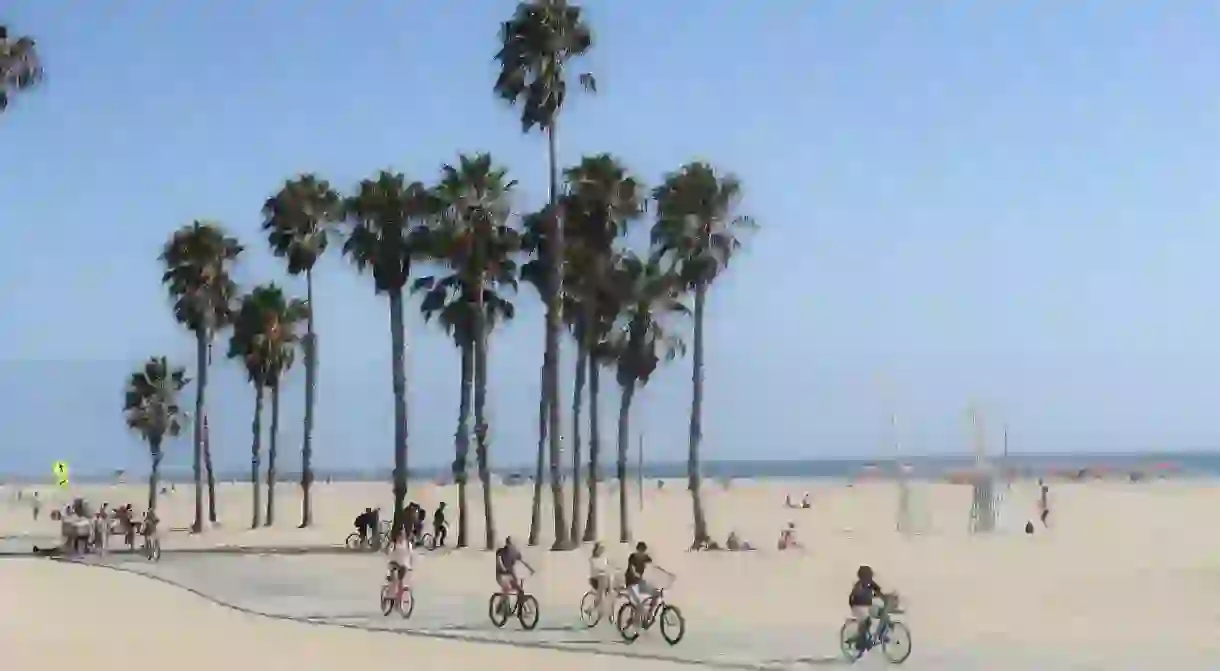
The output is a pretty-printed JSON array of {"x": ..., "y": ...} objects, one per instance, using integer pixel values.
[
  {"x": 388, "y": 218},
  {"x": 248, "y": 344},
  {"x": 648, "y": 297},
  {"x": 150, "y": 407},
  {"x": 278, "y": 339},
  {"x": 472, "y": 239},
  {"x": 536, "y": 45},
  {"x": 535, "y": 273},
  {"x": 697, "y": 229},
  {"x": 601, "y": 200},
  {"x": 298, "y": 222},
  {"x": 198, "y": 263},
  {"x": 20, "y": 67}
]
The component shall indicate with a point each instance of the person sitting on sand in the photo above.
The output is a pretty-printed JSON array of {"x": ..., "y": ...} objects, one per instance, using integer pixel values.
[
  {"x": 805, "y": 504},
  {"x": 787, "y": 538},
  {"x": 734, "y": 543},
  {"x": 507, "y": 559},
  {"x": 788, "y": 501}
]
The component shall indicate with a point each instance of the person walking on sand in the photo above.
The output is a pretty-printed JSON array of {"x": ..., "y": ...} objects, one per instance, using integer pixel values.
[
  {"x": 1044, "y": 508},
  {"x": 439, "y": 529}
]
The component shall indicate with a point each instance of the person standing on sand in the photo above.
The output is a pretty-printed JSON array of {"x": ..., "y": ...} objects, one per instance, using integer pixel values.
[
  {"x": 1044, "y": 508},
  {"x": 439, "y": 530}
]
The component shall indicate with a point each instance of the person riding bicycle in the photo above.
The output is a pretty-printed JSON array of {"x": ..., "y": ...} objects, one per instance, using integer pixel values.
[
  {"x": 863, "y": 592},
  {"x": 362, "y": 523},
  {"x": 507, "y": 559},
  {"x": 638, "y": 589},
  {"x": 401, "y": 562}
]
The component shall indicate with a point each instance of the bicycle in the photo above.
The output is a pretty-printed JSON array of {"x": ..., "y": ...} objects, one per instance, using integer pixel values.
[
  {"x": 397, "y": 595},
  {"x": 893, "y": 637},
  {"x": 673, "y": 625},
  {"x": 592, "y": 603},
  {"x": 500, "y": 607}
]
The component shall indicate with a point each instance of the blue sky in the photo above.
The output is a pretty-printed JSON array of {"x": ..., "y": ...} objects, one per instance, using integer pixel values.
[{"x": 1008, "y": 202}]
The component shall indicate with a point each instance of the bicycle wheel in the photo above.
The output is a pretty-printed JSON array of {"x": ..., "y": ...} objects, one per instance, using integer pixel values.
[
  {"x": 590, "y": 609},
  {"x": 627, "y": 623},
  {"x": 897, "y": 643},
  {"x": 498, "y": 609},
  {"x": 387, "y": 601},
  {"x": 426, "y": 542},
  {"x": 847, "y": 639},
  {"x": 527, "y": 612},
  {"x": 673, "y": 625},
  {"x": 353, "y": 541},
  {"x": 407, "y": 605}
]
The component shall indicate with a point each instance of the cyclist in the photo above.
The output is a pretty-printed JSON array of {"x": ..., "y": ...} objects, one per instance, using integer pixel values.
[
  {"x": 401, "y": 562},
  {"x": 599, "y": 576},
  {"x": 863, "y": 591},
  {"x": 507, "y": 559},
  {"x": 638, "y": 589}
]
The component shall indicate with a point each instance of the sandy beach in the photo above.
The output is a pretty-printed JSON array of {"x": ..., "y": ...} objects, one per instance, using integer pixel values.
[{"x": 1122, "y": 579}]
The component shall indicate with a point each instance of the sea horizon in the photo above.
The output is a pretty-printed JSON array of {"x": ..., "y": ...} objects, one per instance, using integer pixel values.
[{"x": 1179, "y": 463}]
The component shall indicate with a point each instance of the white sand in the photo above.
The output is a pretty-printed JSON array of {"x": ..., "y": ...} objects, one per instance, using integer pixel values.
[{"x": 1128, "y": 571}]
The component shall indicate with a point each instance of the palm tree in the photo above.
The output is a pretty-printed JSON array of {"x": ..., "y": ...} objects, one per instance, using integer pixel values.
[
  {"x": 647, "y": 296},
  {"x": 198, "y": 262},
  {"x": 602, "y": 199},
  {"x": 388, "y": 219},
  {"x": 150, "y": 407},
  {"x": 536, "y": 44},
  {"x": 697, "y": 229},
  {"x": 248, "y": 344},
  {"x": 535, "y": 272},
  {"x": 297, "y": 221},
  {"x": 471, "y": 237},
  {"x": 278, "y": 339},
  {"x": 20, "y": 68}
]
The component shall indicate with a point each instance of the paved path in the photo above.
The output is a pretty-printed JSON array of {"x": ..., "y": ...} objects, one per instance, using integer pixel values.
[{"x": 302, "y": 590}]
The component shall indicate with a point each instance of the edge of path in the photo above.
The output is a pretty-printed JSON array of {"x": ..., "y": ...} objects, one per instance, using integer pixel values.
[{"x": 462, "y": 638}]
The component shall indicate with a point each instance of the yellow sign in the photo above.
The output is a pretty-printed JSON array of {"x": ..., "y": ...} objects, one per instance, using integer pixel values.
[{"x": 60, "y": 469}]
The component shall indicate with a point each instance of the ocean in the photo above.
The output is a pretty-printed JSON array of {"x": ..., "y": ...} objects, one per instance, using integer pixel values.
[{"x": 1177, "y": 464}]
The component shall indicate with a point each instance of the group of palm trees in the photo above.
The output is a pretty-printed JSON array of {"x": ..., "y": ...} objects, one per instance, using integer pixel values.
[{"x": 460, "y": 247}]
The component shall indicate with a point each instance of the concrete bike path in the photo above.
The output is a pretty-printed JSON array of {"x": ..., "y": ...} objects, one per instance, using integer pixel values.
[{"x": 310, "y": 591}]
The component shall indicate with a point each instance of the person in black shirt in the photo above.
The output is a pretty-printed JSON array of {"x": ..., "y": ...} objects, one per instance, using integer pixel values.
[
  {"x": 438, "y": 525},
  {"x": 863, "y": 591},
  {"x": 362, "y": 522},
  {"x": 638, "y": 562},
  {"x": 507, "y": 559}
]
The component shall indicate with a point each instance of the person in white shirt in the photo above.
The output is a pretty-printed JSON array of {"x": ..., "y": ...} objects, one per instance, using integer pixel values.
[
  {"x": 599, "y": 569},
  {"x": 401, "y": 562}
]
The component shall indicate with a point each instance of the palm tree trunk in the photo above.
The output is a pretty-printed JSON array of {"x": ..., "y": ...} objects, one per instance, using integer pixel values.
[
  {"x": 256, "y": 449},
  {"x": 536, "y": 507},
  {"x": 554, "y": 322},
  {"x": 480, "y": 422},
  {"x": 461, "y": 441},
  {"x": 582, "y": 356},
  {"x": 594, "y": 449},
  {"x": 207, "y": 452},
  {"x": 624, "y": 437},
  {"x": 154, "y": 473},
  {"x": 398, "y": 351},
  {"x": 694, "y": 480},
  {"x": 201, "y": 387},
  {"x": 311, "y": 381},
  {"x": 272, "y": 448}
]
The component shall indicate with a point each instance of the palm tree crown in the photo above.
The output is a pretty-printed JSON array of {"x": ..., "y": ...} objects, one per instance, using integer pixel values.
[
  {"x": 535, "y": 44},
  {"x": 387, "y": 216},
  {"x": 198, "y": 259},
  {"x": 296, "y": 221},
  {"x": 264, "y": 333},
  {"x": 20, "y": 67},
  {"x": 150, "y": 400},
  {"x": 696, "y": 223}
]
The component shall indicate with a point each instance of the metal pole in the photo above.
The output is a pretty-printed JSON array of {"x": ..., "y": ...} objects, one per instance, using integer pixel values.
[{"x": 639, "y": 468}]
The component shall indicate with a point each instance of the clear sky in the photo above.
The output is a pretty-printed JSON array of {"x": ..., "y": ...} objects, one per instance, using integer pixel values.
[{"x": 1010, "y": 202}]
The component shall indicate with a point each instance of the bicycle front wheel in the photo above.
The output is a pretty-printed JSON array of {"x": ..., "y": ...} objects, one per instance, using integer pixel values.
[
  {"x": 426, "y": 542},
  {"x": 407, "y": 605},
  {"x": 897, "y": 643},
  {"x": 527, "y": 612},
  {"x": 673, "y": 625},
  {"x": 353, "y": 541},
  {"x": 590, "y": 609},
  {"x": 387, "y": 600}
]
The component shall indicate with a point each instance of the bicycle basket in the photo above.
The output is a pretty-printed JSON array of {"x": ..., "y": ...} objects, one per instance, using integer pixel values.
[{"x": 893, "y": 604}]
